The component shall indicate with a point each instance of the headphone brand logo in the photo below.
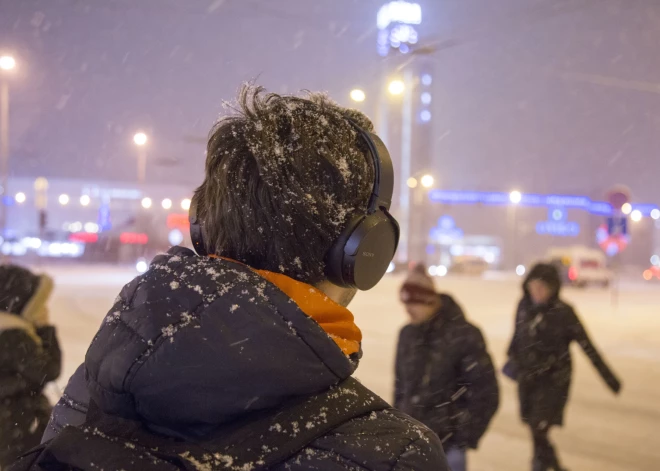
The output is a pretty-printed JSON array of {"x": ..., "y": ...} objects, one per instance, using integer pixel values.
[{"x": 368, "y": 254}]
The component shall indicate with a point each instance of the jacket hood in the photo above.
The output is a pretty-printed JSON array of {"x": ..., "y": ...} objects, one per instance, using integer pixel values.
[
  {"x": 197, "y": 342},
  {"x": 548, "y": 274}
]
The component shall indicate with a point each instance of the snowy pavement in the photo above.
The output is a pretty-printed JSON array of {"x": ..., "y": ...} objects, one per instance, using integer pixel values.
[{"x": 602, "y": 432}]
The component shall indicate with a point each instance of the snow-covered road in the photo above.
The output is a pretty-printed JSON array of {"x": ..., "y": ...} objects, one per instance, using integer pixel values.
[{"x": 602, "y": 432}]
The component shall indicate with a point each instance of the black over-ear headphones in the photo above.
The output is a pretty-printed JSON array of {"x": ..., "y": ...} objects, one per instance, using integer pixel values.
[{"x": 361, "y": 254}]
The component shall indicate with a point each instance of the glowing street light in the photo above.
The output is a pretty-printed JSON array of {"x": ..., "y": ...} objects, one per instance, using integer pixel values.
[
  {"x": 140, "y": 139},
  {"x": 655, "y": 214},
  {"x": 85, "y": 200},
  {"x": 412, "y": 182},
  {"x": 64, "y": 199},
  {"x": 146, "y": 203},
  {"x": 166, "y": 203},
  {"x": 185, "y": 204},
  {"x": 396, "y": 87},
  {"x": 20, "y": 198},
  {"x": 427, "y": 181},
  {"x": 358, "y": 95},
  {"x": 626, "y": 208},
  {"x": 636, "y": 215},
  {"x": 7, "y": 62},
  {"x": 515, "y": 197}
]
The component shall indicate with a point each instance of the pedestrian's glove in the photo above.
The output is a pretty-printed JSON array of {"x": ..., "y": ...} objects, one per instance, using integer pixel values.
[{"x": 38, "y": 317}]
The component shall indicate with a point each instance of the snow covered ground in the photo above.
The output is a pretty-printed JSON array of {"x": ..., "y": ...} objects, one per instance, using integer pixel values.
[{"x": 602, "y": 432}]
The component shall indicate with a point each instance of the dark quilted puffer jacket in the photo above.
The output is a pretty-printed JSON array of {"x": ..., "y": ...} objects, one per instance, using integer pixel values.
[{"x": 194, "y": 347}]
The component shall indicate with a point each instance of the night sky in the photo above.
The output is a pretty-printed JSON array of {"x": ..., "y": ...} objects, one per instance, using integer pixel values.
[{"x": 542, "y": 96}]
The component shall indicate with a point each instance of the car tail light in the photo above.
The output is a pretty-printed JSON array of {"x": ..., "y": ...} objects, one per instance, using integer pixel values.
[
  {"x": 84, "y": 237},
  {"x": 647, "y": 275},
  {"x": 133, "y": 238},
  {"x": 572, "y": 274}
]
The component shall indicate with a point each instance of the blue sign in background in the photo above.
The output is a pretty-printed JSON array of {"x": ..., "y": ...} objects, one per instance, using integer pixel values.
[{"x": 552, "y": 201}]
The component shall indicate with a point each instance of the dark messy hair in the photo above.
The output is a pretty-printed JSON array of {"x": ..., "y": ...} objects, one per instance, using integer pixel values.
[{"x": 284, "y": 176}]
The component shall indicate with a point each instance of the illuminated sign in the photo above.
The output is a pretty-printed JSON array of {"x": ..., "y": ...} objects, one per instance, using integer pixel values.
[
  {"x": 114, "y": 193},
  {"x": 446, "y": 231},
  {"x": 552, "y": 201},
  {"x": 558, "y": 228},
  {"x": 399, "y": 12}
]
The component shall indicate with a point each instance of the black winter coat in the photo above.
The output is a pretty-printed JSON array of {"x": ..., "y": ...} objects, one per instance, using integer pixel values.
[
  {"x": 196, "y": 345},
  {"x": 29, "y": 359},
  {"x": 445, "y": 377},
  {"x": 541, "y": 359}
]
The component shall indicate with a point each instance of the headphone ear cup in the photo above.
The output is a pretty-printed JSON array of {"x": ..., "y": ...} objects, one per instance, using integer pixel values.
[
  {"x": 360, "y": 257},
  {"x": 368, "y": 257},
  {"x": 334, "y": 260},
  {"x": 196, "y": 232}
]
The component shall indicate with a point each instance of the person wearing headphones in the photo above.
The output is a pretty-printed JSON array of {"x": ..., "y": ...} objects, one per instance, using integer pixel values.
[{"x": 241, "y": 356}]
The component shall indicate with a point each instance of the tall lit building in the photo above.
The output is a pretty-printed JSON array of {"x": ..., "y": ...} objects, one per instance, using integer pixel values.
[{"x": 406, "y": 120}]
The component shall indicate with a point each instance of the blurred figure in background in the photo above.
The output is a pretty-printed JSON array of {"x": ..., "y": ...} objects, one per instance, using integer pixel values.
[
  {"x": 29, "y": 358},
  {"x": 444, "y": 375},
  {"x": 540, "y": 359}
]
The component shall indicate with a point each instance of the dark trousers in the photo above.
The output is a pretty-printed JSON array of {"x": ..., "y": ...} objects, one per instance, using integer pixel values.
[{"x": 545, "y": 457}]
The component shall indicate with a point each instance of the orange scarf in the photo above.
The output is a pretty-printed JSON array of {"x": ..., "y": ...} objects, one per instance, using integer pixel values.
[{"x": 337, "y": 321}]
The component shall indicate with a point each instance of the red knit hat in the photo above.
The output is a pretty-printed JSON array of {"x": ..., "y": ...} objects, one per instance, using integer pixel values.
[{"x": 419, "y": 287}]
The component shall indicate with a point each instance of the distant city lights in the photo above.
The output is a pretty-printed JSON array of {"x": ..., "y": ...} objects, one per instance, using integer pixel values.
[
  {"x": 425, "y": 116},
  {"x": 396, "y": 87},
  {"x": 63, "y": 199},
  {"x": 140, "y": 139},
  {"x": 399, "y": 12},
  {"x": 358, "y": 95},
  {"x": 520, "y": 270},
  {"x": 141, "y": 266},
  {"x": 20, "y": 198},
  {"x": 166, "y": 203},
  {"x": 91, "y": 227},
  {"x": 636, "y": 215},
  {"x": 426, "y": 98},
  {"x": 427, "y": 181},
  {"x": 515, "y": 197},
  {"x": 185, "y": 204},
  {"x": 85, "y": 200},
  {"x": 412, "y": 182},
  {"x": 175, "y": 237},
  {"x": 626, "y": 208},
  {"x": 655, "y": 214},
  {"x": 427, "y": 79},
  {"x": 7, "y": 62},
  {"x": 146, "y": 203}
]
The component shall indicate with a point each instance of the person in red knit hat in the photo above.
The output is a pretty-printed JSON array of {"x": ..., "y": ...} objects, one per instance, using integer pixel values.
[{"x": 444, "y": 374}]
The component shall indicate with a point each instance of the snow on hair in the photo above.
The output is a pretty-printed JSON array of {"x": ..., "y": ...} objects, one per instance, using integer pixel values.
[{"x": 284, "y": 175}]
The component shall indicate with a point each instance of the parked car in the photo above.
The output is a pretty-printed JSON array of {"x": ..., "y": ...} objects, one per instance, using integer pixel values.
[
  {"x": 469, "y": 265},
  {"x": 580, "y": 266}
]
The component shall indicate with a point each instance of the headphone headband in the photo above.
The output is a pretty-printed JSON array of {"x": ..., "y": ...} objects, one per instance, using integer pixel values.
[{"x": 381, "y": 194}]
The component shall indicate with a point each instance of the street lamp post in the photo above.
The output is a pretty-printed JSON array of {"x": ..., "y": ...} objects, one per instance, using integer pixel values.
[
  {"x": 140, "y": 139},
  {"x": 405, "y": 87},
  {"x": 416, "y": 217},
  {"x": 7, "y": 63},
  {"x": 515, "y": 197}
]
